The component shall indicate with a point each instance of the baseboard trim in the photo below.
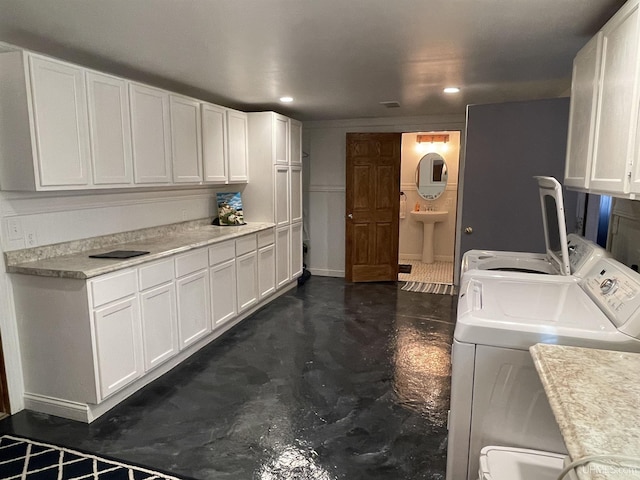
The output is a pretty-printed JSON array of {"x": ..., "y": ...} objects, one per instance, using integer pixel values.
[
  {"x": 323, "y": 272},
  {"x": 57, "y": 407}
]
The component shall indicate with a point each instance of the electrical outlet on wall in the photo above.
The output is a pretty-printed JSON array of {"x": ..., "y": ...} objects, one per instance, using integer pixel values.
[
  {"x": 14, "y": 229},
  {"x": 31, "y": 240}
]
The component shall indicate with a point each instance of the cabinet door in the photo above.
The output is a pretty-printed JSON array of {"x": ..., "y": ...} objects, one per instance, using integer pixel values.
[
  {"x": 237, "y": 147},
  {"x": 247, "y": 278},
  {"x": 223, "y": 292},
  {"x": 118, "y": 346},
  {"x": 151, "y": 135},
  {"x": 281, "y": 141},
  {"x": 110, "y": 130},
  {"x": 281, "y": 193},
  {"x": 214, "y": 144},
  {"x": 296, "y": 194},
  {"x": 193, "y": 307},
  {"x": 159, "y": 325},
  {"x": 60, "y": 122},
  {"x": 295, "y": 147},
  {"x": 283, "y": 256},
  {"x": 617, "y": 105},
  {"x": 296, "y": 250},
  {"x": 582, "y": 114},
  {"x": 266, "y": 271},
  {"x": 186, "y": 140}
]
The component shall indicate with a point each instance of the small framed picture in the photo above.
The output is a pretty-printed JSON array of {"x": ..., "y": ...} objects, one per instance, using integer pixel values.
[{"x": 230, "y": 208}]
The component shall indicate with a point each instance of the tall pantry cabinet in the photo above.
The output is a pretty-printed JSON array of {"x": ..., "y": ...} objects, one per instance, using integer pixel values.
[{"x": 275, "y": 157}]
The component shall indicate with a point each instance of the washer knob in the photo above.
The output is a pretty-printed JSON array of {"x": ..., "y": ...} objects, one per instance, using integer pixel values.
[{"x": 608, "y": 286}]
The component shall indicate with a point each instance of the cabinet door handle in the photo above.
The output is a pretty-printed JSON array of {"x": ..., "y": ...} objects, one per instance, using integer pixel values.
[{"x": 468, "y": 230}]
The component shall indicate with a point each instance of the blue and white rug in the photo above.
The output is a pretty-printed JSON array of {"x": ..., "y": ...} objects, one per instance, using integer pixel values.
[
  {"x": 438, "y": 288},
  {"x": 22, "y": 459}
]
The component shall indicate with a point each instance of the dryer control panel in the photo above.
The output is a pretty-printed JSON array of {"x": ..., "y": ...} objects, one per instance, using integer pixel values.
[{"x": 615, "y": 288}]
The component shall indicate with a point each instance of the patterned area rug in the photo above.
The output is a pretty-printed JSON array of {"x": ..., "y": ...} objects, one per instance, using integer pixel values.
[
  {"x": 22, "y": 459},
  {"x": 436, "y": 272},
  {"x": 439, "y": 288}
]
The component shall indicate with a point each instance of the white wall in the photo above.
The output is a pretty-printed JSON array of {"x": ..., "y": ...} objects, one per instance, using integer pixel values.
[
  {"x": 59, "y": 217},
  {"x": 325, "y": 144},
  {"x": 411, "y": 230}
]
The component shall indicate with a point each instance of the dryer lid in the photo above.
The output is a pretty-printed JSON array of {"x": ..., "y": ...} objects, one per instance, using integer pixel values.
[{"x": 555, "y": 227}]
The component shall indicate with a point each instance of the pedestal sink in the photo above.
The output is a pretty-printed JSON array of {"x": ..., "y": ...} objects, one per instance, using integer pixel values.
[{"x": 429, "y": 218}]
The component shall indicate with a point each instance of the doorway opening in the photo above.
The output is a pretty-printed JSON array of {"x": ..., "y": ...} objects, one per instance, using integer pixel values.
[{"x": 428, "y": 183}]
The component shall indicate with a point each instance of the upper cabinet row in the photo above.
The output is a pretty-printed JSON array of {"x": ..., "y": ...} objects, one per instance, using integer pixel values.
[
  {"x": 66, "y": 127},
  {"x": 603, "y": 154}
]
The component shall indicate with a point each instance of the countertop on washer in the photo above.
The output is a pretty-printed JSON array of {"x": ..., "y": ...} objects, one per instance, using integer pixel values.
[
  {"x": 71, "y": 259},
  {"x": 595, "y": 397}
]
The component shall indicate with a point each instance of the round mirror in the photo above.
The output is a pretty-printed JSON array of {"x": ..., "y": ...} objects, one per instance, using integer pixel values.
[{"x": 431, "y": 176}]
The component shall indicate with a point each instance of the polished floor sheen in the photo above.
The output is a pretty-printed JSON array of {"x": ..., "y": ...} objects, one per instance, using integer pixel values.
[{"x": 330, "y": 381}]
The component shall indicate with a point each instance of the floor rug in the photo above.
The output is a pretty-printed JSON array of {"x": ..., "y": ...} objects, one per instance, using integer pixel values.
[
  {"x": 439, "y": 288},
  {"x": 22, "y": 459},
  {"x": 404, "y": 268}
]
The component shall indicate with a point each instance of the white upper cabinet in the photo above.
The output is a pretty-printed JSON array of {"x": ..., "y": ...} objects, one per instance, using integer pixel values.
[
  {"x": 44, "y": 139},
  {"x": 281, "y": 140},
  {"x": 151, "y": 134},
  {"x": 295, "y": 135},
  {"x": 214, "y": 143},
  {"x": 186, "y": 139},
  {"x": 582, "y": 116},
  {"x": 110, "y": 130},
  {"x": 602, "y": 148},
  {"x": 617, "y": 103},
  {"x": 237, "y": 144}
]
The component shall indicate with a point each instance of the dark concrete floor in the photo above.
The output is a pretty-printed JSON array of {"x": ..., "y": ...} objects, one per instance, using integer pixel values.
[{"x": 330, "y": 381}]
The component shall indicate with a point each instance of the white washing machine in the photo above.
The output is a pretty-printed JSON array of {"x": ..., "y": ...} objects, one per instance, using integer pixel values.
[
  {"x": 496, "y": 395},
  {"x": 565, "y": 254},
  {"x": 509, "y": 463}
]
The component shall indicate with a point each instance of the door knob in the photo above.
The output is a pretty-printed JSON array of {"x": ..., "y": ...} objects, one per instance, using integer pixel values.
[
  {"x": 468, "y": 230},
  {"x": 350, "y": 216}
]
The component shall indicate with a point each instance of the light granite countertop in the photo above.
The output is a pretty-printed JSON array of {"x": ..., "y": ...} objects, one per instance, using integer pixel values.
[
  {"x": 595, "y": 397},
  {"x": 71, "y": 259}
]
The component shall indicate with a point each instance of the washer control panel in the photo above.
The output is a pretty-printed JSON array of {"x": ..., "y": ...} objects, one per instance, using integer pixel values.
[
  {"x": 615, "y": 288},
  {"x": 583, "y": 254}
]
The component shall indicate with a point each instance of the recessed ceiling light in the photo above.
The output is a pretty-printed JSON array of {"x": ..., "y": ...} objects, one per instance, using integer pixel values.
[
  {"x": 286, "y": 99},
  {"x": 451, "y": 90}
]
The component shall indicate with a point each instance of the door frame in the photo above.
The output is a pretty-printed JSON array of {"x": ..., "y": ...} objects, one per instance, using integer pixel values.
[{"x": 385, "y": 126}]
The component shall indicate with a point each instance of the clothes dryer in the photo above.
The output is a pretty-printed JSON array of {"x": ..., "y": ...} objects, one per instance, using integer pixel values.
[{"x": 496, "y": 395}]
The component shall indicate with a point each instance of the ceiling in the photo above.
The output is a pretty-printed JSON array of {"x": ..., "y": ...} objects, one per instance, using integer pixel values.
[{"x": 337, "y": 58}]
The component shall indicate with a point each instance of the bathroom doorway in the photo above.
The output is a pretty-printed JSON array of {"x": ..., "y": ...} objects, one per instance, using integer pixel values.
[{"x": 428, "y": 183}]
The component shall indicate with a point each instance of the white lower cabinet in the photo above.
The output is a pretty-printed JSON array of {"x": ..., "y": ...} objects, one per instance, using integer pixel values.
[
  {"x": 223, "y": 292},
  {"x": 136, "y": 320},
  {"x": 192, "y": 287},
  {"x": 118, "y": 345},
  {"x": 247, "y": 271},
  {"x": 296, "y": 250},
  {"x": 283, "y": 257}
]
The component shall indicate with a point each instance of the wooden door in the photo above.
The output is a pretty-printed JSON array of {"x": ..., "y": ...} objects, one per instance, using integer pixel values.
[{"x": 372, "y": 206}]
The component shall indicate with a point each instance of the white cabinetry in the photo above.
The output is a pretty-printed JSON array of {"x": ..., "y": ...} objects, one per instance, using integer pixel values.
[
  {"x": 246, "y": 272},
  {"x": 266, "y": 263},
  {"x": 602, "y": 153},
  {"x": 222, "y": 273},
  {"x": 214, "y": 143},
  {"x": 158, "y": 311},
  {"x": 44, "y": 139},
  {"x": 275, "y": 153},
  {"x": 237, "y": 145},
  {"x": 150, "y": 125},
  {"x": 115, "y": 324},
  {"x": 110, "y": 130},
  {"x": 192, "y": 286},
  {"x": 582, "y": 115},
  {"x": 186, "y": 139}
]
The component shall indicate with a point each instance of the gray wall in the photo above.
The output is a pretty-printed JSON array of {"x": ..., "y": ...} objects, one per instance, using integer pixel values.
[{"x": 507, "y": 144}]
